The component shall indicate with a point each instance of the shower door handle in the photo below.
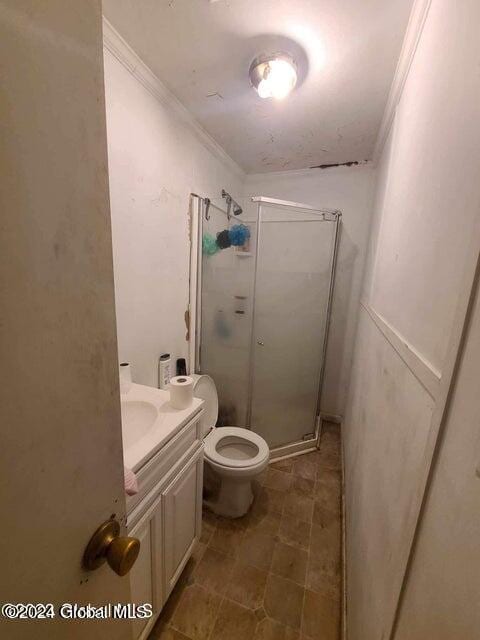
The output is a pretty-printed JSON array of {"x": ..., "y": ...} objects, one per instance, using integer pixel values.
[{"x": 260, "y": 343}]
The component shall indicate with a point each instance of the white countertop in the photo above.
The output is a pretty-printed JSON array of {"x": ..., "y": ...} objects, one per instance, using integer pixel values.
[{"x": 140, "y": 443}]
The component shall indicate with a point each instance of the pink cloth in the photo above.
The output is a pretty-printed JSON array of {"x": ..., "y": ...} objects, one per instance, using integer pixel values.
[{"x": 131, "y": 484}]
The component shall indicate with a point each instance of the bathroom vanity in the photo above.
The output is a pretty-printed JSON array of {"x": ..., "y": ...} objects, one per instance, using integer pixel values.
[{"x": 164, "y": 447}]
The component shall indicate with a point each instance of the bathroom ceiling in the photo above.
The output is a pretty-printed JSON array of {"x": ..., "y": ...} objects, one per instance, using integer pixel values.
[{"x": 202, "y": 49}]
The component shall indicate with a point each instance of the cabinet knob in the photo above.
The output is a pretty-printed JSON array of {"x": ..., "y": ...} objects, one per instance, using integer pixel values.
[{"x": 107, "y": 545}]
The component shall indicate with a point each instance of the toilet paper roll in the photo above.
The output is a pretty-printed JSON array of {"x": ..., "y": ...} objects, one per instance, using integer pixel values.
[
  {"x": 125, "y": 377},
  {"x": 181, "y": 392}
]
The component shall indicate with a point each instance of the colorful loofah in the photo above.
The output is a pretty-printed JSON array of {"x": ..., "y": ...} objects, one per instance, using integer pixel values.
[
  {"x": 239, "y": 234},
  {"x": 209, "y": 245},
  {"x": 223, "y": 239}
]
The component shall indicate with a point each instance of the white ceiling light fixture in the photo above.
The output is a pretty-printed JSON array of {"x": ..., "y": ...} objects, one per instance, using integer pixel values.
[{"x": 273, "y": 76}]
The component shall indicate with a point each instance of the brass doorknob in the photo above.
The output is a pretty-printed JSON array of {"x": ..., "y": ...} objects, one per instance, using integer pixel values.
[{"x": 106, "y": 544}]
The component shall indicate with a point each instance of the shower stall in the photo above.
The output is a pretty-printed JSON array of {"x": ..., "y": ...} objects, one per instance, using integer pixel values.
[{"x": 262, "y": 315}]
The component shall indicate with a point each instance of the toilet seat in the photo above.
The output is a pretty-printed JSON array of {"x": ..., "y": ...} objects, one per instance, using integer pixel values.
[{"x": 237, "y": 443}]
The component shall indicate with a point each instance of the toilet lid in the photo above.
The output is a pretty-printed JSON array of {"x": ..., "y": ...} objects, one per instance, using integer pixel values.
[
  {"x": 204, "y": 388},
  {"x": 235, "y": 447}
]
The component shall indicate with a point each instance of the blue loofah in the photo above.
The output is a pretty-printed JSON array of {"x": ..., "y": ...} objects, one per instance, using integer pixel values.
[
  {"x": 209, "y": 245},
  {"x": 239, "y": 234}
]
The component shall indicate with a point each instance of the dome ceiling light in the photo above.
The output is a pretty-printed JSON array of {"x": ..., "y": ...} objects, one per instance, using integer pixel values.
[{"x": 273, "y": 76}]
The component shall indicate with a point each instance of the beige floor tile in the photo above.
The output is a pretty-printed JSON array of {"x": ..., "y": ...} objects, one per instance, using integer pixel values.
[
  {"x": 311, "y": 456},
  {"x": 304, "y": 486},
  {"x": 290, "y": 562},
  {"x": 256, "y": 550},
  {"x": 304, "y": 467},
  {"x": 332, "y": 478},
  {"x": 170, "y": 606},
  {"x": 326, "y": 518},
  {"x": 186, "y": 576},
  {"x": 283, "y": 601},
  {"x": 294, "y": 532},
  {"x": 274, "y": 499},
  {"x": 268, "y": 501},
  {"x": 329, "y": 457},
  {"x": 326, "y": 537},
  {"x": 331, "y": 442},
  {"x": 317, "y": 580},
  {"x": 276, "y": 536},
  {"x": 330, "y": 525},
  {"x": 327, "y": 497},
  {"x": 267, "y": 523},
  {"x": 213, "y": 571},
  {"x": 278, "y": 480},
  {"x": 325, "y": 550},
  {"x": 196, "y": 612},
  {"x": 209, "y": 518},
  {"x": 227, "y": 537},
  {"x": 331, "y": 430},
  {"x": 330, "y": 447},
  {"x": 247, "y": 585},
  {"x": 234, "y": 622},
  {"x": 298, "y": 506},
  {"x": 283, "y": 465},
  {"x": 321, "y": 617},
  {"x": 269, "y": 629},
  {"x": 208, "y": 528},
  {"x": 162, "y": 632},
  {"x": 198, "y": 552}
]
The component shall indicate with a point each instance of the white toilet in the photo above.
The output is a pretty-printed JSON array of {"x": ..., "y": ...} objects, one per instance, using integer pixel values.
[{"x": 235, "y": 454}]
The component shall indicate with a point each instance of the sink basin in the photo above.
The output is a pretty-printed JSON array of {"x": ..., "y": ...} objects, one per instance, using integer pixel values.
[
  {"x": 148, "y": 422},
  {"x": 138, "y": 417}
]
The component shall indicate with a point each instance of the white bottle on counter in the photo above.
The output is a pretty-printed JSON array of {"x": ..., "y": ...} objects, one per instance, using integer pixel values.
[{"x": 164, "y": 371}]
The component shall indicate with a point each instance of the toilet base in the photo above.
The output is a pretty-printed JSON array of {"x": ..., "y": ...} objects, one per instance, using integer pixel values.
[{"x": 234, "y": 499}]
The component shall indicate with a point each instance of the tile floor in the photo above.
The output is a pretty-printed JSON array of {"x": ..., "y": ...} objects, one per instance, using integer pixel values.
[{"x": 274, "y": 574}]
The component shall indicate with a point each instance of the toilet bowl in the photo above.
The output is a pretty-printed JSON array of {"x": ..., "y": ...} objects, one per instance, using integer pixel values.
[{"x": 235, "y": 454}]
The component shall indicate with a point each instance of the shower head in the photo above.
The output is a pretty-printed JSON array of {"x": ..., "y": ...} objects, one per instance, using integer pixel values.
[{"x": 237, "y": 209}]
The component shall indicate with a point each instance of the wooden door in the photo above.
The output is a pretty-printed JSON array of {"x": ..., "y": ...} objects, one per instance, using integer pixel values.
[{"x": 60, "y": 451}]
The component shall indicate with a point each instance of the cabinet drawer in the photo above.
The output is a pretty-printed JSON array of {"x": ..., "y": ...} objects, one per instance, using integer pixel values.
[{"x": 161, "y": 463}]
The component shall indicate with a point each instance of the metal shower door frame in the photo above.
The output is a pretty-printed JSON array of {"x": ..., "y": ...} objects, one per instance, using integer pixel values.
[{"x": 328, "y": 215}]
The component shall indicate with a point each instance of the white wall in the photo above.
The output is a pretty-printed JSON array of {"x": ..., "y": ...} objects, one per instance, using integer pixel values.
[
  {"x": 349, "y": 189},
  {"x": 441, "y": 598},
  {"x": 421, "y": 265},
  {"x": 155, "y": 160}
]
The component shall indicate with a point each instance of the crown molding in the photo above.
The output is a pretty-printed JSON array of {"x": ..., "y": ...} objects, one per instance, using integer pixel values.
[
  {"x": 416, "y": 23},
  {"x": 117, "y": 46}
]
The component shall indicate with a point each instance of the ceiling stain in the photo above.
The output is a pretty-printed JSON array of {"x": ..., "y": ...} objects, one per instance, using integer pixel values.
[{"x": 351, "y": 163}]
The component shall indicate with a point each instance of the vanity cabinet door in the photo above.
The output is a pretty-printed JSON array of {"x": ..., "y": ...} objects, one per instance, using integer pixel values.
[
  {"x": 182, "y": 517},
  {"x": 145, "y": 575}
]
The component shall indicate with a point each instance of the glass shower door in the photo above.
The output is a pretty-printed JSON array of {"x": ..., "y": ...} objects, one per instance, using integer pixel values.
[
  {"x": 225, "y": 321},
  {"x": 293, "y": 273}
]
